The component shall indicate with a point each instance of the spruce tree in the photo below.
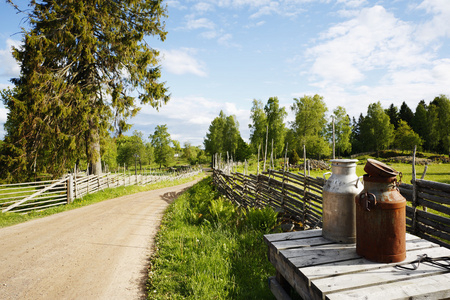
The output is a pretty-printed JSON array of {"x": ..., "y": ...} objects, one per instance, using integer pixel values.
[{"x": 85, "y": 66}]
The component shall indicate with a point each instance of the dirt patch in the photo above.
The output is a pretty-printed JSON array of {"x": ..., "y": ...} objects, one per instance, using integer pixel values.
[{"x": 99, "y": 251}]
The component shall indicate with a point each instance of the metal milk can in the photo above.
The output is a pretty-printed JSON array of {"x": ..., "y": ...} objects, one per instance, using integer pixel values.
[
  {"x": 380, "y": 216},
  {"x": 339, "y": 191}
]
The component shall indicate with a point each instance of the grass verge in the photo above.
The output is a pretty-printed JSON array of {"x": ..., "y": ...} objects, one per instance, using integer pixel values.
[
  {"x": 208, "y": 249},
  {"x": 9, "y": 219}
]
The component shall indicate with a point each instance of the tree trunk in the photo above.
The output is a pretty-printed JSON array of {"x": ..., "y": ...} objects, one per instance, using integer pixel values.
[{"x": 93, "y": 149}]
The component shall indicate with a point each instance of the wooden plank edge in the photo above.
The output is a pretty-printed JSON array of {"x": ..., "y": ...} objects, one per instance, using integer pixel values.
[{"x": 277, "y": 289}]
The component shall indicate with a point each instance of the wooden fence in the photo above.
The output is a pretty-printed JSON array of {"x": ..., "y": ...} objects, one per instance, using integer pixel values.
[
  {"x": 25, "y": 197},
  {"x": 300, "y": 197}
]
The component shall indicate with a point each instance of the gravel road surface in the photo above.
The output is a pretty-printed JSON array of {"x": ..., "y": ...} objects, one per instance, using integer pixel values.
[{"x": 99, "y": 251}]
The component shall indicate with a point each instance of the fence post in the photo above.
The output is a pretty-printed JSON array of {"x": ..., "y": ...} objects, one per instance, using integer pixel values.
[
  {"x": 76, "y": 186},
  {"x": 69, "y": 189},
  {"x": 414, "y": 193}
]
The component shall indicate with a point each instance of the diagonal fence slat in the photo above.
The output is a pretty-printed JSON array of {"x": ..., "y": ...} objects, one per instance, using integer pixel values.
[{"x": 28, "y": 196}]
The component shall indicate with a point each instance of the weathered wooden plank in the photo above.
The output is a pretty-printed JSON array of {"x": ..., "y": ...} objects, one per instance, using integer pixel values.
[
  {"x": 439, "y": 199},
  {"x": 375, "y": 277},
  {"x": 433, "y": 232},
  {"x": 34, "y": 195},
  {"x": 436, "y": 221},
  {"x": 287, "y": 248},
  {"x": 434, "y": 192},
  {"x": 362, "y": 265},
  {"x": 277, "y": 289},
  {"x": 323, "y": 255},
  {"x": 293, "y": 276},
  {"x": 431, "y": 287},
  {"x": 433, "y": 185},
  {"x": 441, "y": 208},
  {"x": 292, "y": 235}
]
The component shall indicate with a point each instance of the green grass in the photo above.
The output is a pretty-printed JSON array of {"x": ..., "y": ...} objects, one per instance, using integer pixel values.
[
  {"x": 208, "y": 249},
  {"x": 9, "y": 219},
  {"x": 435, "y": 172}
]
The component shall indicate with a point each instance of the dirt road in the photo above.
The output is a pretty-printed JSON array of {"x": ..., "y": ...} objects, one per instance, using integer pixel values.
[{"x": 99, "y": 251}]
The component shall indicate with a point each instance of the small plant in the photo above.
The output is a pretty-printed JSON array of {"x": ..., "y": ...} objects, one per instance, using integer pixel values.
[
  {"x": 221, "y": 211},
  {"x": 261, "y": 219}
]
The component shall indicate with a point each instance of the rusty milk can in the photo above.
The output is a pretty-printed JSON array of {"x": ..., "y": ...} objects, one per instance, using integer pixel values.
[
  {"x": 380, "y": 215},
  {"x": 339, "y": 191}
]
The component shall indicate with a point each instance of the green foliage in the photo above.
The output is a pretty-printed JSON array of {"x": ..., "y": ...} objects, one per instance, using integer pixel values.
[
  {"x": 406, "y": 138},
  {"x": 160, "y": 140},
  {"x": 210, "y": 257},
  {"x": 309, "y": 126},
  {"x": 267, "y": 122},
  {"x": 221, "y": 211},
  {"x": 223, "y": 136},
  {"x": 130, "y": 146},
  {"x": 261, "y": 219},
  {"x": 376, "y": 129},
  {"x": 258, "y": 126},
  {"x": 342, "y": 131},
  {"x": 82, "y": 63},
  {"x": 294, "y": 159}
]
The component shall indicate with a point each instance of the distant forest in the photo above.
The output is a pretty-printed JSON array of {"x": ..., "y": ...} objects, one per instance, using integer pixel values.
[{"x": 427, "y": 127}]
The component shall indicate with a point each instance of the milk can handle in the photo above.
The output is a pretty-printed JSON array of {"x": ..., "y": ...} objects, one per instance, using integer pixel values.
[
  {"x": 326, "y": 174},
  {"x": 366, "y": 200},
  {"x": 358, "y": 180}
]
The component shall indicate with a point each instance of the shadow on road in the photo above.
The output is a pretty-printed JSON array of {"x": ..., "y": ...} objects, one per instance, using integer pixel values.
[{"x": 169, "y": 197}]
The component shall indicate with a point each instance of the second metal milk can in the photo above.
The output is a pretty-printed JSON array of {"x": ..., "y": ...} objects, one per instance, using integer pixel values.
[
  {"x": 380, "y": 216},
  {"x": 339, "y": 191}
]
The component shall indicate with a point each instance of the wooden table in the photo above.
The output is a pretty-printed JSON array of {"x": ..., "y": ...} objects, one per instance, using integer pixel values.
[{"x": 320, "y": 269}]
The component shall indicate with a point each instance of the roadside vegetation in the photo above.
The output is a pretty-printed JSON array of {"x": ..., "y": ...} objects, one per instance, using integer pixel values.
[
  {"x": 11, "y": 218},
  {"x": 207, "y": 248}
]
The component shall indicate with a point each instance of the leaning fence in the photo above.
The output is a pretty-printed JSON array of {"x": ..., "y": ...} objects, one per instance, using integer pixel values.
[
  {"x": 29, "y": 196},
  {"x": 299, "y": 197}
]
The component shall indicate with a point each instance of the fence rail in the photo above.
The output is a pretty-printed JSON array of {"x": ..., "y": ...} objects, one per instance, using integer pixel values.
[
  {"x": 300, "y": 197},
  {"x": 29, "y": 196}
]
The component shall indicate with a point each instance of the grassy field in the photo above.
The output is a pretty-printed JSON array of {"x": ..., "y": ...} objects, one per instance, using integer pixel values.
[
  {"x": 208, "y": 249},
  {"x": 435, "y": 172},
  {"x": 8, "y": 219},
  {"x": 439, "y": 172}
]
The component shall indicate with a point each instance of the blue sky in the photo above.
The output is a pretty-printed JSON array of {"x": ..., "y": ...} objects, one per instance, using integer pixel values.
[{"x": 222, "y": 54}]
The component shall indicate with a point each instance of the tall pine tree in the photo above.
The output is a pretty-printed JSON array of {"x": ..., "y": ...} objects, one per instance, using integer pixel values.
[{"x": 84, "y": 66}]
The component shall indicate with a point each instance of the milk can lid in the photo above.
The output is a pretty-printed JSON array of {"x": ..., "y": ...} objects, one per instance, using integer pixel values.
[{"x": 378, "y": 169}]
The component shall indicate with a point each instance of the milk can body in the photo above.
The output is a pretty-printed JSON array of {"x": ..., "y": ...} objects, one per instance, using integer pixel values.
[
  {"x": 381, "y": 221},
  {"x": 339, "y": 191}
]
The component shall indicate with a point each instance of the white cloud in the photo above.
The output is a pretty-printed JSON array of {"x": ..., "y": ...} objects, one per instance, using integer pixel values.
[
  {"x": 3, "y": 115},
  {"x": 209, "y": 34},
  {"x": 181, "y": 62},
  {"x": 8, "y": 65},
  {"x": 203, "y": 7},
  {"x": 188, "y": 118},
  {"x": 227, "y": 41},
  {"x": 199, "y": 23},
  {"x": 439, "y": 25},
  {"x": 373, "y": 40},
  {"x": 271, "y": 8},
  {"x": 352, "y": 3}
]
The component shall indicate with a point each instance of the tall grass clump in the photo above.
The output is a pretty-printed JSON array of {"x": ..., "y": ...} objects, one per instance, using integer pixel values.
[{"x": 207, "y": 248}]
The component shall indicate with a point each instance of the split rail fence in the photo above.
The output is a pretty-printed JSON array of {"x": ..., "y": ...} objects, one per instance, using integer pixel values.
[
  {"x": 299, "y": 197},
  {"x": 29, "y": 196}
]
